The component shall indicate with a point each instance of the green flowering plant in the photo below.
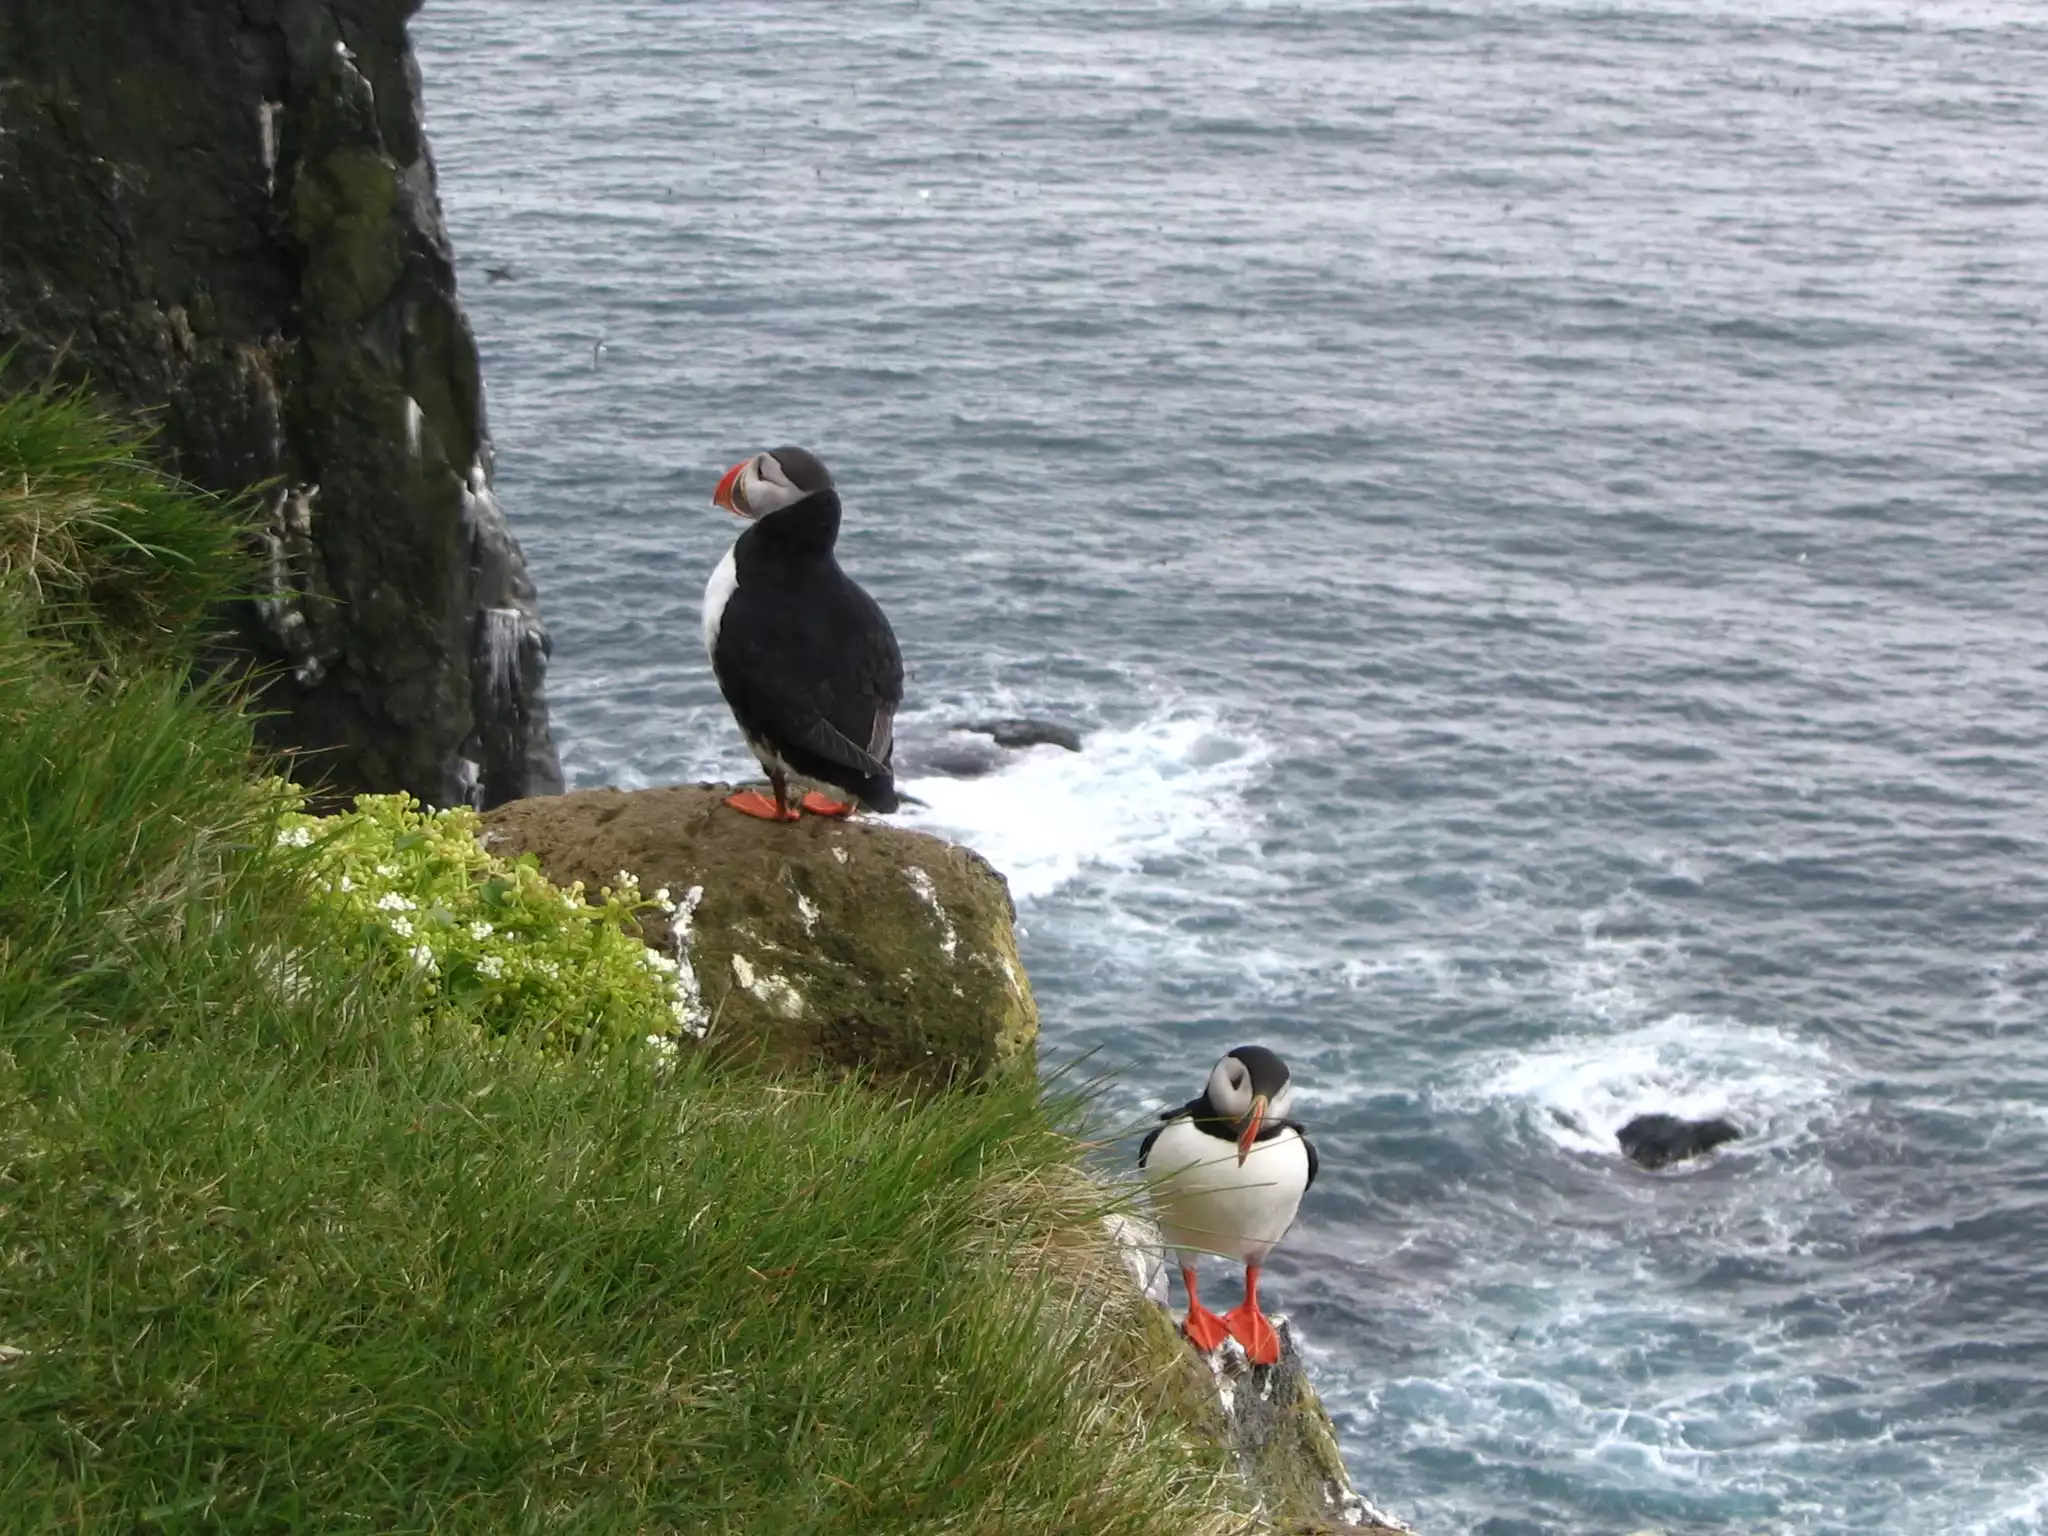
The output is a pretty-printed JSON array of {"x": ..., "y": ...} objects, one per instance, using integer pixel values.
[{"x": 491, "y": 940}]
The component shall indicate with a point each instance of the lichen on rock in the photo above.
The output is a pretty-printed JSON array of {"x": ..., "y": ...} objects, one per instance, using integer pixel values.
[{"x": 844, "y": 943}]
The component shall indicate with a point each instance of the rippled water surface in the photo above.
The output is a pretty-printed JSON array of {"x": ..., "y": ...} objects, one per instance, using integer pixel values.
[{"x": 1539, "y": 510}]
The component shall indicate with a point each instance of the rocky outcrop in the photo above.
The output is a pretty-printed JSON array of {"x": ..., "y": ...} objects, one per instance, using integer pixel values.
[
  {"x": 1269, "y": 1417},
  {"x": 849, "y": 943},
  {"x": 1025, "y": 732},
  {"x": 1656, "y": 1141},
  {"x": 1286, "y": 1445},
  {"x": 223, "y": 213}
]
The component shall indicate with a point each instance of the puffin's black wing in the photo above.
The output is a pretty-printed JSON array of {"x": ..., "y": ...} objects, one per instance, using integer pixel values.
[
  {"x": 808, "y": 662},
  {"x": 1192, "y": 1107}
]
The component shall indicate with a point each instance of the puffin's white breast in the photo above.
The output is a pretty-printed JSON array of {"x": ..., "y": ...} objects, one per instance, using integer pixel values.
[
  {"x": 718, "y": 592},
  {"x": 1209, "y": 1202}
]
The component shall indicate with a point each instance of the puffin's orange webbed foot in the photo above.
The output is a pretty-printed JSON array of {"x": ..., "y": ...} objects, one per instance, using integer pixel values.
[
  {"x": 823, "y": 805},
  {"x": 1248, "y": 1325},
  {"x": 1204, "y": 1329},
  {"x": 751, "y": 802}
]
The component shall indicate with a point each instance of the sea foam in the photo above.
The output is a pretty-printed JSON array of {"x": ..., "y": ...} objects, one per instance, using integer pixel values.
[{"x": 1167, "y": 787}]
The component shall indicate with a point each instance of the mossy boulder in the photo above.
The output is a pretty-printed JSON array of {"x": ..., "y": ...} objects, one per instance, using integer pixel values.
[{"x": 847, "y": 943}]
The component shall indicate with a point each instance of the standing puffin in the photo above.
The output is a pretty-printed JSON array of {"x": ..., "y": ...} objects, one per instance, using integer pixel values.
[
  {"x": 803, "y": 656},
  {"x": 1227, "y": 1172}
]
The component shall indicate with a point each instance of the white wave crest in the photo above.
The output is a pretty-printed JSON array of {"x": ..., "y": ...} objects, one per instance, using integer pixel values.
[
  {"x": 1168, "y": 786},
  {"x": 1578, "y": 1090}
]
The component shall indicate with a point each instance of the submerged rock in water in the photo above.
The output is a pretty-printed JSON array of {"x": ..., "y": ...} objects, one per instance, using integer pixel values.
[
  {"x": 842, "y": 943},
  {"x": 1655, "y": 1140},
  {"x": 1025, "y": 732},
  {"x": 223, "y": 214}
]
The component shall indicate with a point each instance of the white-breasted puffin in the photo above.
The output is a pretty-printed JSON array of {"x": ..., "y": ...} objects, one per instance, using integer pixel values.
[
  {"x": 803, "y": 656},
  {"x": 1227, "y": 1172}
]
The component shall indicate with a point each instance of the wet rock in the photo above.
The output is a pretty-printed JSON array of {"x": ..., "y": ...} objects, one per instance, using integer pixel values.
[
  {"x": 1283, "y": 1442},
  {"x": 954, "y": 758},
  {"x": 223, "y": 215},
  {"x": 849, "y": 943},
  {"x": 1656, "y": 1140},
  {"x": 1025, "y": 732},
  {"x": 1268, "y": 1419}
]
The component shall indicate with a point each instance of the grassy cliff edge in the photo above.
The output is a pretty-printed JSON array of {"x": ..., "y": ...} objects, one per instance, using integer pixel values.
[{"x": 288, "y": 1240}]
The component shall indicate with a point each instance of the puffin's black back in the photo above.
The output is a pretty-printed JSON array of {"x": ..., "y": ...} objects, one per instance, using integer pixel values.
[{"x": 806, "y": 658}]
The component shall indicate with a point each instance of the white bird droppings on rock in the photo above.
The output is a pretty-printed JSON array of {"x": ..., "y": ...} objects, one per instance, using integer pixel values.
[
  {"x": 839, "y": 853},
  {"x": 1137, "y": 1239},
  {"x": 266, "y": 128},
  {"x": 779, "y": 993},
  {"x": 775, "y": 991},
  {"x": 807, "y": 912},
  {"x": 928, "y": 893},
  {"x": 691, "y": 1016}
]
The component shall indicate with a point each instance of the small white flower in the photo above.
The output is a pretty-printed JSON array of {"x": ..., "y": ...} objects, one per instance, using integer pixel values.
[
  {"x": 481, "y": 930},
  {"x": 549, "y": 968},
  {"x": 347, "y": 884},
  {"x": 664, "y": 1047},
  {"x": 626, "y": 880},
  {"x": 295, "y": 837},
  {"x": 688, "y": 1019},
  {"x": 661, "y": 900},
  {"x": 388, "y": 871},
  {"x": 656, "y": 961},
  {"x": 391, "y": 901},
  {"x": 491, "y": 966},
  {"x": 402, "y": 926},
  {"x": 423, "y": 957}
]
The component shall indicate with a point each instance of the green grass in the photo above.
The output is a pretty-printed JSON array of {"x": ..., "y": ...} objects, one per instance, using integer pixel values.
[
  {"x": 114, "y": 557},
  {"x": 278, "y": 1253}
]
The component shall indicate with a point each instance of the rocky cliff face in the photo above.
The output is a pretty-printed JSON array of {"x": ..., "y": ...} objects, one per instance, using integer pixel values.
[
  {"x": 223, "y": 213},
  {"x": 1269, "y": 1417}
]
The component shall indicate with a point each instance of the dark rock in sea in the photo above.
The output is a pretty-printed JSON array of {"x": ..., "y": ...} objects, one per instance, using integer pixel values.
[
  {"x": 223, "y": 215},
  {"x": 955, "y": 760},
  {"x": 1655, "y": 1140},
  {"x": 1025, "y": 732}
]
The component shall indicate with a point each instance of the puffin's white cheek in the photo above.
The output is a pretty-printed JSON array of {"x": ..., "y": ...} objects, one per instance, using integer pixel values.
[
  {"x": 765, "y": 496},
  {"x": 1227, "y": 1094}
]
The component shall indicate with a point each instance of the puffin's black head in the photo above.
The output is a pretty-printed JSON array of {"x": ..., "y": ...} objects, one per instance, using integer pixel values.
[
  {"x": 770, "y": 481},
  {"x": 1247, "y": 1086}
]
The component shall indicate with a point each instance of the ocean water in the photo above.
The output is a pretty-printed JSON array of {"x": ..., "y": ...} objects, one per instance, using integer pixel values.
[{"x": 1541, "y": 511}]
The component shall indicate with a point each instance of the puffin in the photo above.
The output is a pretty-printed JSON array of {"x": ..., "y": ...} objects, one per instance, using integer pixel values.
[
  {"x": 805, "y": 658},
  {"x": 1227, "y": 1172}
]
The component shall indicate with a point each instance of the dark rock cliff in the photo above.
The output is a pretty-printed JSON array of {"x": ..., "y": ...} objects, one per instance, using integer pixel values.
[{"x": 223, "y": 213}]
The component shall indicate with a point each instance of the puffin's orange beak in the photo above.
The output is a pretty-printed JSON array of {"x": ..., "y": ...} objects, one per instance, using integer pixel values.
[
  {"x": 722, "y": 497},
  {"x": 1250, "y": 1133}
]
